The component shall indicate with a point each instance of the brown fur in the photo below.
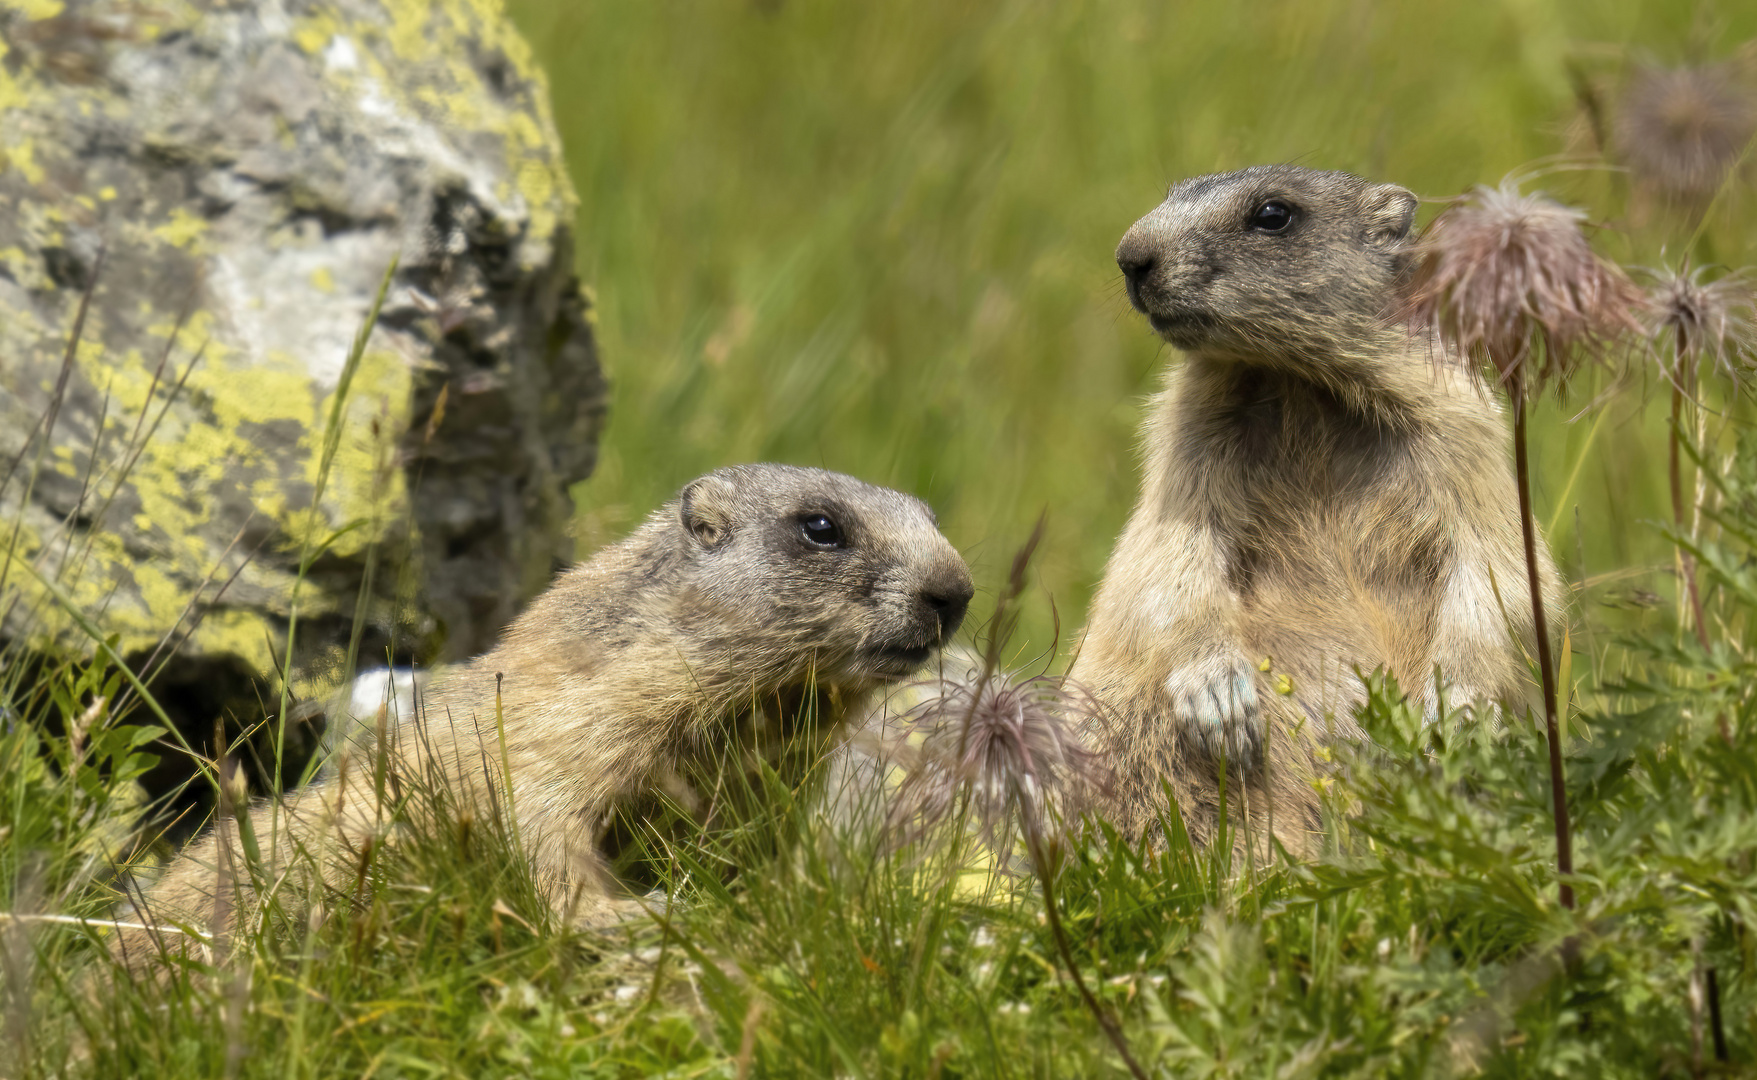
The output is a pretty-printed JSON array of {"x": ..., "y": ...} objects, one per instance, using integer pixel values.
[
  {"x": 703, "y": 636},
  {"x": 1323, "y": 489}
]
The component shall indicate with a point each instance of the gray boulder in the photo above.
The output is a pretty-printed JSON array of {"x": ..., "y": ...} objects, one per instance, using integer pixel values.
[{"x": 229, "y": 183}]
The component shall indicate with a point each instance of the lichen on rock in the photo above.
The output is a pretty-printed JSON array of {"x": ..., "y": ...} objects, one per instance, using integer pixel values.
[{"x": 231, "y": 183}]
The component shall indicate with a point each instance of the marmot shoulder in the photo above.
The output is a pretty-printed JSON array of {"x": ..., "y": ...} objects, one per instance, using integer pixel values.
[
  {"x": 1324, "y": 492},
  {"x": 749, "y": 615}
]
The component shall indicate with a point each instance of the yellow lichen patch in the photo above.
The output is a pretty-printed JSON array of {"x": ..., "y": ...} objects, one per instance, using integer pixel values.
[
  {"x": 172, "y": 482},
  {"x": 195, "y": 330},
  {"x": 92, "y": 588},
  {"x": 517, "y": 51},
  {"x": 272, "y": 387},
  {"x": 166, "y": 597},
  {"x": 269, "y": 497},
  {"x": 174, "y": 478},
  {"x": 461, "y": 110},
  {"x": 322, "y": 280},
  {"x": 437, "y": 33},
  {"x": 16, "y": 94},
  {"x": 313, "y": 33},
  {"x": 34, "y": 10},
  {"x": 90, "y": 571},
  {"x": 184, "y": 230},
  {"x": 409, "y": 34},
  {"x": 23, "y": 158},
  {"x": 236, "y": 632},
  {"x": 183, "y": 474},
  {"x": 364, "y": 483},
  {"x": 536, "y": 167},
  {"x": 90, "y": 353},
  {"x": 307, "y": 530},
  {"x": 129, "y": 384},
  {"x": 13, "y": 261},
  {"x": 37, "y": 225},
  {"x": 537, "y": 185}
]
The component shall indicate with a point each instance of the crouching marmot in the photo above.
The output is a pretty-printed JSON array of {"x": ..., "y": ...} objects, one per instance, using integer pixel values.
[
  {"x": 1320, "y": 493},
  {"x": 747, "y": 617}
]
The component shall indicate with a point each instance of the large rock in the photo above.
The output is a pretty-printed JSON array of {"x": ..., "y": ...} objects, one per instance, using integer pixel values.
[{"x": 247, "y": 172}]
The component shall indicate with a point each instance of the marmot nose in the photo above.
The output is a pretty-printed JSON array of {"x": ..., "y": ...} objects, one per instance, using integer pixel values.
[
  {"x": 1136, "y": 265},
  {"x": 948, "y": 595}
]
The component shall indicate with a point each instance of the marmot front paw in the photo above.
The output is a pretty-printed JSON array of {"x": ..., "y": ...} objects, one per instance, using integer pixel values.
[{"x": 1217, "y": 699}]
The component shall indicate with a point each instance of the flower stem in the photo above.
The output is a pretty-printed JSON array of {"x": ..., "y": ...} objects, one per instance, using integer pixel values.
[
  {"x": 1046, "y": 877},
  {"x": 1686, "y": 562},
  {"x": 1545, "y": 663}
]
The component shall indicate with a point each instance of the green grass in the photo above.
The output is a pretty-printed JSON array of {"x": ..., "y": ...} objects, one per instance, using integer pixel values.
[
  {"x": 877, "y": 238},
  {"x": 1427, "y": 940}
]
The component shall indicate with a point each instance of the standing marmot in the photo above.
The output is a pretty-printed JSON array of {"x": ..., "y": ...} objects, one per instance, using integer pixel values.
[
  {"x": 1319, "y": 492},
  {"x": 764, "y": 600}
]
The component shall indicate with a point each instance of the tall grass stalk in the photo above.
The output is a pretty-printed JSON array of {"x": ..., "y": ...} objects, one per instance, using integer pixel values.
[
  {"x": 311, "y": 550},
  {"x": 46, "y": 425}
]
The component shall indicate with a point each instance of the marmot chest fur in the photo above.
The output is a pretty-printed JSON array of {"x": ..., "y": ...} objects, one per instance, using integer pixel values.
[
  {"x": 746, "y": 617},
  {"x": 1322, "y": 490}
]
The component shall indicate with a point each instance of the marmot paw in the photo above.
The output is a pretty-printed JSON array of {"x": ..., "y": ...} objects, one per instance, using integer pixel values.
[{"x": 1217, "y": 697}]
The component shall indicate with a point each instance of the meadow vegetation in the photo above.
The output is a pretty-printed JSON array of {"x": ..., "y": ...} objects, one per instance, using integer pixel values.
[{"x": 877, "y": 238}]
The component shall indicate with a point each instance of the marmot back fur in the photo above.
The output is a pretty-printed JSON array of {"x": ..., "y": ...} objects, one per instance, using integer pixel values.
[
  {"x": 747, "y": 617},
  {"x": 1323, "y": 490}
]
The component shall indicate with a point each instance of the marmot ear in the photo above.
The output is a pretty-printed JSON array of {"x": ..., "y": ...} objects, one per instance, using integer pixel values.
[
  {"x": 706, "y": 510},
  {"x": 1387, "y": 211}
]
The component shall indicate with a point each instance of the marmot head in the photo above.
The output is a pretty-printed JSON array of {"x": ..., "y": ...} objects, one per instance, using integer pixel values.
[
  {"x": 1273, "y": 262},
  {"x": 802, "y": 573}
]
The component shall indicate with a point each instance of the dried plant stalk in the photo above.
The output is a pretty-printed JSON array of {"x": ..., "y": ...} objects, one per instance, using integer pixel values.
[
  {"x": 1008, "y": 751},
  {"x": 1509, "y": 281},
  {"x": 1693, "y": 324}
]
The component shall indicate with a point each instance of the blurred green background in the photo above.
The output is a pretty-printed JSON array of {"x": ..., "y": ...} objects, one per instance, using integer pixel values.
[{"x": 877, "y": 237}]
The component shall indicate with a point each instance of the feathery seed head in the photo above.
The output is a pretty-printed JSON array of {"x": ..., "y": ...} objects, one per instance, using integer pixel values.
[
  {"x": 1007, "y": 746},
  {"x": 1682, "y": 130},
  {"x": 1690, "y": 320},
  {"x": 1510, "y": 280}
]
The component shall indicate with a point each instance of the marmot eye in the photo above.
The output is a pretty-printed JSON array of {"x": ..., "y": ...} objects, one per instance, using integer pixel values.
[
  {"x": 821, "y": 531},
  {"x": 1272, "y": 216}
]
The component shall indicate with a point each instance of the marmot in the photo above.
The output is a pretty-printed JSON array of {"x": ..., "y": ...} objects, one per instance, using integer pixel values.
[
  {"x": 1324, "y": 491},
  {"x": 765, "y": 602}
]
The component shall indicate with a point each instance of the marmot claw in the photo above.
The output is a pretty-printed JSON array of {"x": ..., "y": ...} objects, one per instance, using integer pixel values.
[{"x": 1217, "y": 698}]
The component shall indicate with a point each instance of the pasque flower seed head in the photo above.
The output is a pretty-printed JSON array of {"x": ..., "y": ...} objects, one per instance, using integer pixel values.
[{"x": 1510, "y": 281}]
